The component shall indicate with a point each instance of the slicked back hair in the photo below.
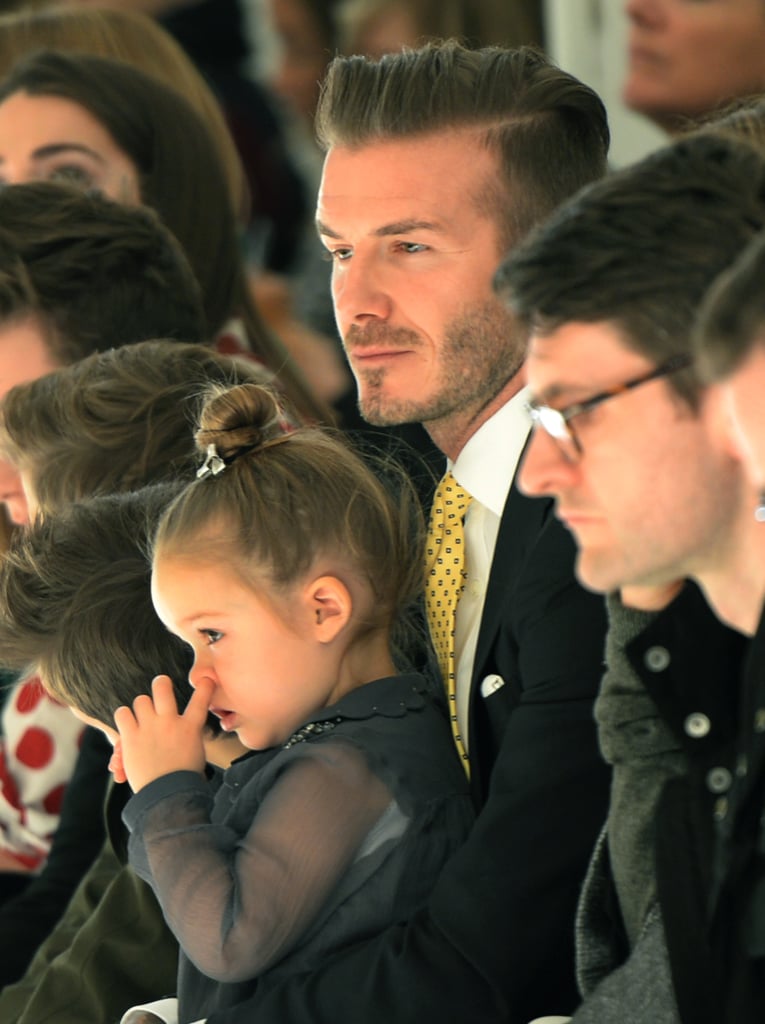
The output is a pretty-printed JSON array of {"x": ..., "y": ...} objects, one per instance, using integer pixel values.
[{"x": 549, "y": 130}]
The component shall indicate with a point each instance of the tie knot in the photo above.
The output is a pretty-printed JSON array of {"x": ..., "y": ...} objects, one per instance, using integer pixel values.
[{"x": 451, "y": 499}]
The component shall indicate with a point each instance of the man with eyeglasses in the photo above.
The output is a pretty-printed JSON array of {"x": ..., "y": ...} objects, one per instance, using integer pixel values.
[{"x": 628, "y": 442}]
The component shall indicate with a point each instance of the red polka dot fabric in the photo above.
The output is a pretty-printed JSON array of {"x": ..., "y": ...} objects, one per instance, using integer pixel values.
[{"x": 38, "y": 751}]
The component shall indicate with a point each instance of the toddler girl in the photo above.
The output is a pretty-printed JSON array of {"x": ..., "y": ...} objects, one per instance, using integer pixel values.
[{"x": 285, "y": 566}]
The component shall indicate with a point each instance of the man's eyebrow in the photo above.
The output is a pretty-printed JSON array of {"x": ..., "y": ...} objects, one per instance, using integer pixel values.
[
  {"x": 323, "y": 229},
  {"x": 572, "y": 393},
  {"x": 404, "y": 227},
  {"x": 397, "y": 227},
  {"x": 548, "y": 394}
]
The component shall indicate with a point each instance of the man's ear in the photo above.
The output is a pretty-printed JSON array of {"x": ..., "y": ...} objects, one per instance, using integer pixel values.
[{"x": 330, "y": 606}]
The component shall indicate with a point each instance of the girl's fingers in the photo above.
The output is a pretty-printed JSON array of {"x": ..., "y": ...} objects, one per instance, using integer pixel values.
[
  {"x": 143, "y": 707},
  {"x": 124, "y": 719},
  {"x": 116, "y": 766},
  {"x": 199, "y": 703},
  {"x": 164, "y": 696}
]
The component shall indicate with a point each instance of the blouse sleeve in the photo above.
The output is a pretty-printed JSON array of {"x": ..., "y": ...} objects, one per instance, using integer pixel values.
[{"x": 238, "y": 902}]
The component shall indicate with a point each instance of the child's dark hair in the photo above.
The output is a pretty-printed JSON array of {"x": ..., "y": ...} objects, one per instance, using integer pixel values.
[
  {"x": 115, "y": 421},
  {"x": 281, "y": 498},
  {"x": 75, "y": 605}
]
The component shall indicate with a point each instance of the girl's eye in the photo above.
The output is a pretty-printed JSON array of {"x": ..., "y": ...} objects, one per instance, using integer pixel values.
[{"x": 212, "y": 636}]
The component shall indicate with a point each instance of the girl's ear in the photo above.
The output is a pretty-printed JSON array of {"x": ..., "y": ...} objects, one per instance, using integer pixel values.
[{"x": 330, "y": 607}]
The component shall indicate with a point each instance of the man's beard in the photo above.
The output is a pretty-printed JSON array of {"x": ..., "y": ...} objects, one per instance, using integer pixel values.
[{"x": 479, "y": 353}]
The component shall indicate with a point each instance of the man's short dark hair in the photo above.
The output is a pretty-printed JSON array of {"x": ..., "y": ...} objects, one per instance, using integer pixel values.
[
  {"x": 95, "y": 274},
  {"x": 732, "y": 317},
  {"x": 549, "y": 130},
  {"x": 640, "y": 248}
]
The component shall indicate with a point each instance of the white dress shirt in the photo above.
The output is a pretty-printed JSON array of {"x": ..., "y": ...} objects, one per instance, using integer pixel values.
[{"x": 485, "y": 467}]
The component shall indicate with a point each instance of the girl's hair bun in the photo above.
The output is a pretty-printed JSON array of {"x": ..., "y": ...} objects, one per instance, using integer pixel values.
[{"x": 246, "y": 416}]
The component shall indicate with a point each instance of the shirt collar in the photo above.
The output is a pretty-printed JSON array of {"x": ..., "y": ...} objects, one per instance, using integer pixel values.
[
  {"x": 390, "y": 697},
  {"x": 487, "y": 464}
]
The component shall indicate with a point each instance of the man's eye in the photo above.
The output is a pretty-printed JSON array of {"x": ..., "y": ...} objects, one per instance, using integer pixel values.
[
  {"x": 337, "y": 255},
  {"x": 412, "y": 247}
]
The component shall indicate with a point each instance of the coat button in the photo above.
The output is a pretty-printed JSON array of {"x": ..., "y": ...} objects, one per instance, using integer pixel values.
[
  {"x": 697, "y": 725},
  {"x": 656, "y": 659},
  {"x": 718, "y": 780}
]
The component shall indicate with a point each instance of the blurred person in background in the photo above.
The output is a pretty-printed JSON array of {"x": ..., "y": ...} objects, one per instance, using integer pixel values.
[
  {"x": 686, "y": 58},
  {"x": 266, "y": 233},
  {"x": 375, "y": 27}
]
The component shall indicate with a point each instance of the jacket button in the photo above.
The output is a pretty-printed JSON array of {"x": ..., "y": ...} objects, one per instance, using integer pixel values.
[
  {"x": 759, "y": 720},
  {"x": 697, "y": 725},
  {"x": 718, "y": 780},
  {"x": 656, "y": 659}
]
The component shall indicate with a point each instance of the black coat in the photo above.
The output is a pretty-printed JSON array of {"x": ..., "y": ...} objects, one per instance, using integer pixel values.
[
  {"x": 738, "y": 894},
  {"x": 696, "y": 684}
]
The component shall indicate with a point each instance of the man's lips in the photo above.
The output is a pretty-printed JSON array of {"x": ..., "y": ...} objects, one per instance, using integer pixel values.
[
  {"x": 363, "y": 355},
  {"x": 574, "y": 519}
]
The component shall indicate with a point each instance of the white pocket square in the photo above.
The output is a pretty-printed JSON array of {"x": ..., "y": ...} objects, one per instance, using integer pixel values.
[{"x": 491, "y": 684}]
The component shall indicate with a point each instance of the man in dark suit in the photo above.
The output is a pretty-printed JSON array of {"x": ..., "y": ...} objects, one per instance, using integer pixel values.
[{"x": 439, "y": 160}]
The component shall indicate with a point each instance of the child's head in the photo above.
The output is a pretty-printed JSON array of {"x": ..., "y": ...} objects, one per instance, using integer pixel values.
[
  {"x": 114, "y": 421},
  {"x": 75, "y": 605},
  {"x": 90, "y": 273},
  {"x": 297, "y": 530}
]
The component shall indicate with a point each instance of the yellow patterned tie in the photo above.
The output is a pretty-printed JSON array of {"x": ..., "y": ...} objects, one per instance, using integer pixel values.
[{"x": 445, "y": 575}]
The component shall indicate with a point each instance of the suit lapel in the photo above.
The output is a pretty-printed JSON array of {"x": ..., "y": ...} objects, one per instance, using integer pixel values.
[{"x": 522, "y": 520}]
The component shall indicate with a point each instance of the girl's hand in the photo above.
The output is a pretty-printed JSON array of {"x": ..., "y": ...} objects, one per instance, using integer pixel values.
[
  {"x": 116, "y": 766},
  {"x": 155, "y": 740}
]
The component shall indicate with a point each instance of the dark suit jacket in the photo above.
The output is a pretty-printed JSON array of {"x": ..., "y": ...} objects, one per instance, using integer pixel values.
[{"x": 495, "y": 942}]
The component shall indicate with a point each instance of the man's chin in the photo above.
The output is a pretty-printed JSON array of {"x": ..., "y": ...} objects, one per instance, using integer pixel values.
[
  {"x": 379, "y": 413},
  {"x": 598, "y": 573}
]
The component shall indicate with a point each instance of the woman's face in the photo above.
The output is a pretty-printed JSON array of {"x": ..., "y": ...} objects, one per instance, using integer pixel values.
[
  {"x": 385, "y": 31},
  {"x": 303, "y": 55},
  {"x": 44, "y": 138},
  {"x": 688, "y": 57}
]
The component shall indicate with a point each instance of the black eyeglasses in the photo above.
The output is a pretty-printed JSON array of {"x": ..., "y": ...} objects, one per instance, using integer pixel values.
[{"x": 556, "y": 422}]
